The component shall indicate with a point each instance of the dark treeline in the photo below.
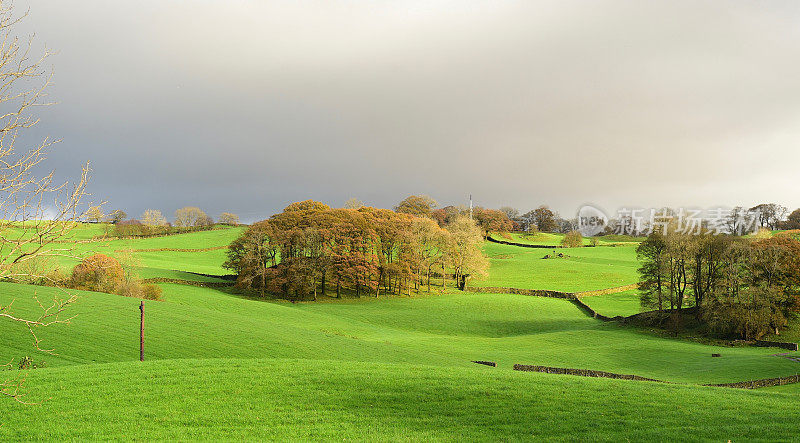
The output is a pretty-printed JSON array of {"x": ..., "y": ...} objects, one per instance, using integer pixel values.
[
  {"x": 739, "y": 286},
  {"x": 311, "y": 249}
]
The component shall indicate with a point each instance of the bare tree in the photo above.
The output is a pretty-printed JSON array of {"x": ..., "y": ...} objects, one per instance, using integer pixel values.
[
  {"x": 510, "y": 212},
  {"x": 769, "y": 214},
  {"x": 153, "y": 217},
  {"x": 227, "y": 218},
  {"x": 191, "y": 217},
  {"x": 353, "y": 203},
  {"x": 116, "y": 216},
  {"x": 94, "y": 214},
  {"x": 37, "y": 213}
]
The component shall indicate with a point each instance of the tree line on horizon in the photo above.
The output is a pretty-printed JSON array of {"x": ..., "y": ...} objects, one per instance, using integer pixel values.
[
  {"x": 153, "y": 222},
  {"x": 770, "y": 216}
]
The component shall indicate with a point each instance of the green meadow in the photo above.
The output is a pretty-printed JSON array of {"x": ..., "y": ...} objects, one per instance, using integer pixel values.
[
  {"x": 555, "y": 239},
  {"x": 580, "y": 269},
  {"x": 200, "y": 252},
  {"x": 279, "y": 399},
  {"x": 220, "y": 365},
  {"x": 611, "y": 305}
]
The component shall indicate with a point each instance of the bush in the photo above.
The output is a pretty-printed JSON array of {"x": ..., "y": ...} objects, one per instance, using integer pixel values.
[
  {"x": 135, "y": 289},
  {"x": 152, "y": 292},
  {"x": 104, "y": 274},
  {"x": 762, "y": 234},
  {"x": 99, "y": 273},
  {"x": 573, "y": 239},
  {"x": 129, "y": 228}
]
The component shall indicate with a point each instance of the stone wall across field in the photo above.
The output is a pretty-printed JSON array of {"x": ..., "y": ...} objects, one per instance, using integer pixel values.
[
  {"x": 763, "y": 383},
  {"x": 592, "y": 313},
  {"x": 776, "y": 344},
  {"x": 200, "y": 284},
  {"x": 581, "y": 372},
  {"x": 485, "y": 363},
  {"x": 522, "y": 245},
  {"x": 575, "y": 297},
  {"x": 750, "y": 384},
  {"x": 214, "y": 248},
  {"x": 530, "y": 292}
]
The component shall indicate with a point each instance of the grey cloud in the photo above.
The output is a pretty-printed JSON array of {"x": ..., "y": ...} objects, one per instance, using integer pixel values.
[{"x": 247, "y": 105}]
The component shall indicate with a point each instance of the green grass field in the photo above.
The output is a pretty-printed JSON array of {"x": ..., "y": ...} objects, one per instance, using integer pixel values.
[
  {"x": 554, "y": 239},
  {"x": 583, "y": 269},
  {"x": 445, "y": 330},
  {"x": 196, "y": 252},
  {"x": 622, "y": 303},
  {"x": 272, "y": 399},
  {"x": 222, "y": 366}
]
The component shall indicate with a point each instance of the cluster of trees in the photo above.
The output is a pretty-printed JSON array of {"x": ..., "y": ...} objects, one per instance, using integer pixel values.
[
  {"x": 488, "y": 220},
  {"x": 541, "y": 219},
  {"x": 102, "y": 273},
  {"x": 311, "y": 248},
  {"x": 153, "y": 222},
  {"x": 742, "y": 287},
  {"x": 792, "y": 221}
]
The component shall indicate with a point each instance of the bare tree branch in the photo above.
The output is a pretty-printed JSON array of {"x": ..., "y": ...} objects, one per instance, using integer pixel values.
[{"x": 36, "y": 211}]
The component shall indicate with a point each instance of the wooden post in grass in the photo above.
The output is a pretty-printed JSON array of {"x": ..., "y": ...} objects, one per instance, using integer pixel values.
[{"x": 141, "y": 333}]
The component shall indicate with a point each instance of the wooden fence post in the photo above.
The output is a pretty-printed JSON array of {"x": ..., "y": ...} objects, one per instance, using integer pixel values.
[{"x": 141, "y": 333}]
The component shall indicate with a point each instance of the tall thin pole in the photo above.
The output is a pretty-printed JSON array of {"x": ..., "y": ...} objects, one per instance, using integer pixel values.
[
  {"x": 141, "y": 333},
  {"x": 470, "y": 206}
]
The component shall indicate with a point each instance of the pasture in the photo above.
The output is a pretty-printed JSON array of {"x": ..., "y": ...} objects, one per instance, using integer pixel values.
[
  {"x": 444, "y": 330},
  {"x": 221, "y": 365},
  {"x": 622, "y": 303},
  {"x": 277, "y": 399},
  {"x": 581, "y": 269}
]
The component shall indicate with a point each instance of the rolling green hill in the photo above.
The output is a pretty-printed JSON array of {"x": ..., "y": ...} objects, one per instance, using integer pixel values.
[
  {"x": 446, "y": 330},
  {"x": 194, "y": 252},
  {"x": 220, "y": 365}
]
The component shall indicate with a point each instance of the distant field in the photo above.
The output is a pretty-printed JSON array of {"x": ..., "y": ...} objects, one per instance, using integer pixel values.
[
  {"x": 583, "y": 269},
  {"x": 552, "y": 239},
  {"x": 77, "y": 231},
  {"x": 157, "y": 256}
]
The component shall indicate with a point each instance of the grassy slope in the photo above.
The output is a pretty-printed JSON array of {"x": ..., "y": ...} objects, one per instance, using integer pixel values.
[
  {"x": 165, "y": 263},
  {"x": 622, "y": 303},
  {"x": 584, "y": 269},
  {"x": 303, "y": 399},
  {"x": 77, "y": 231},
  {"x": 359, "y": 374},
  {"x": 447, "y": 330}
]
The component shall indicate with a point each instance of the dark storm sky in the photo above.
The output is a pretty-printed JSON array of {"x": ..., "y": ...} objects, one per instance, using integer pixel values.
[{"x": 246, "y": 106}]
